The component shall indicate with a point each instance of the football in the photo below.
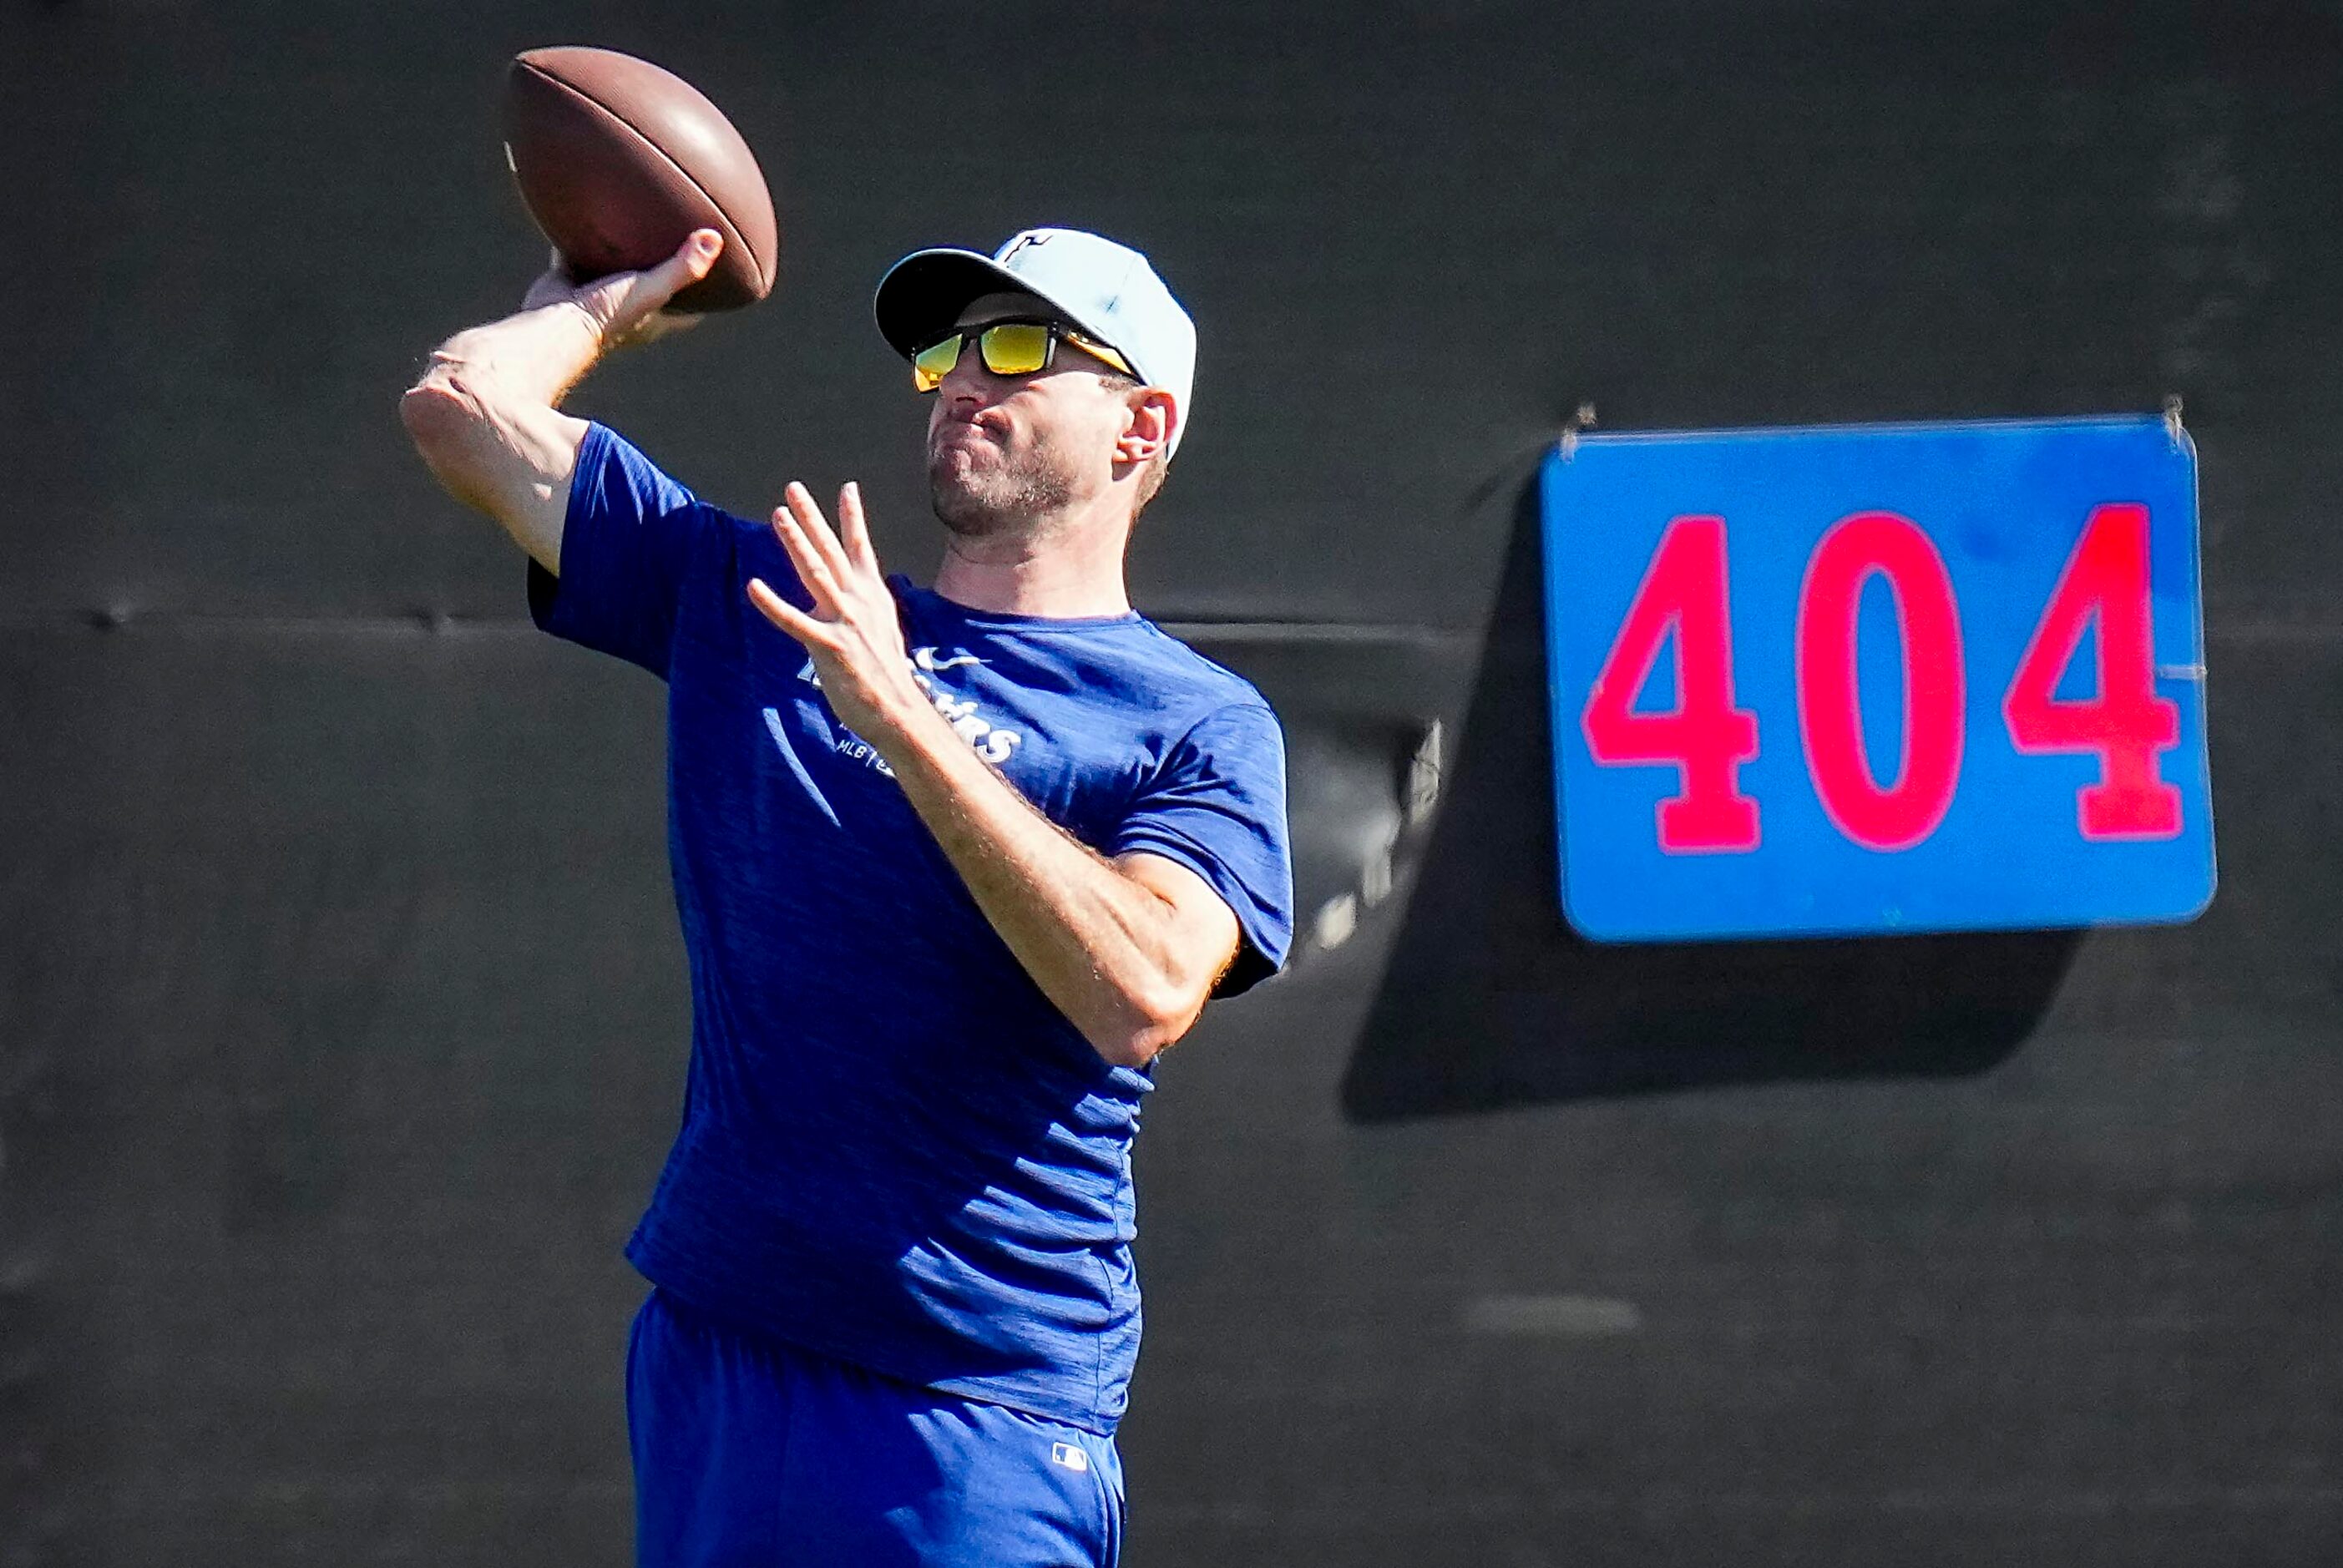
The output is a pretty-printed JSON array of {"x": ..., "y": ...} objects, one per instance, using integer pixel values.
[{"x": 618, "y": 160}]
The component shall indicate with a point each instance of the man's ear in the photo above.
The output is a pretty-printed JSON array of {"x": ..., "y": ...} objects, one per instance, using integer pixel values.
[{"x": 1148, "y": 433}]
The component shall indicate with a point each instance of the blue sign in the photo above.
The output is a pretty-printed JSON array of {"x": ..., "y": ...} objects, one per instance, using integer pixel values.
[{"x": 1851, "y": 680}]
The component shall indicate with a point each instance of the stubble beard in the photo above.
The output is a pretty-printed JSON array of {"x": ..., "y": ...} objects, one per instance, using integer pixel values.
[{"x": 986, "y": 500}]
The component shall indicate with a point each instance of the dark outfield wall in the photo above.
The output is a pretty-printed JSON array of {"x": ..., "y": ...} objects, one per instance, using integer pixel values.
[{"x": 342, "y": 1018}]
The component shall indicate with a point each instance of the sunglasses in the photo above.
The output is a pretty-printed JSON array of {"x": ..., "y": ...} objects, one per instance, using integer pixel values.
[{"x": 1007, "y": 348}]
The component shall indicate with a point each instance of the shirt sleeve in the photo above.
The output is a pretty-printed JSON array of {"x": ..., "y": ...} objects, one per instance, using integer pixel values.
[
  {"x": 1217, "y": 806},
  {"x": 626, "y": 545}
]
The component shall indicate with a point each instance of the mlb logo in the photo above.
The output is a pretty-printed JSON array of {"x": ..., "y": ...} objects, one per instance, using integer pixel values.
[{"x": 1066, "y": 1454}]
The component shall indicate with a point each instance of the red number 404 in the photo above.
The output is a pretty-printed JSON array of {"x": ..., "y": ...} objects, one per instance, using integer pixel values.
[{"x": 1705, "y": 739}]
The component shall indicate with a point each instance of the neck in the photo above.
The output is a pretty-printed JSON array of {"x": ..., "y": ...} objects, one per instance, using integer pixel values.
[{"x": 1064, "y": 568}]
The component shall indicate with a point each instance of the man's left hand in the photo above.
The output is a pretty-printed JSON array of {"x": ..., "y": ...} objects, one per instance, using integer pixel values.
[{"x": 855, "y": 633}]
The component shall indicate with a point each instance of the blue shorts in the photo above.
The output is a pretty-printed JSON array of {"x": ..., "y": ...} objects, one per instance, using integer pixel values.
[{"x": 750, "y": 1451}]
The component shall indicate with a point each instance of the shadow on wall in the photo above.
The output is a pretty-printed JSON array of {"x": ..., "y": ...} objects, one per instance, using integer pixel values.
[{"x": 1490, "y": 1001}]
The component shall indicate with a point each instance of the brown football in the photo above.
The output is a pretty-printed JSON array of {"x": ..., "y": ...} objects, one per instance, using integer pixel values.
[{"x": 618, "y": 160}]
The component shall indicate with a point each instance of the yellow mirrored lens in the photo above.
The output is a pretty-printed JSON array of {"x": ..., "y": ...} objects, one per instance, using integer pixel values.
[
  {"x": 1015, "y": 347},
  {"x": 933, "y": 363}
]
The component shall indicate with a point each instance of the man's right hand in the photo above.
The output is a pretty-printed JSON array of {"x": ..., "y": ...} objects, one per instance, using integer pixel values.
[{"x": 629, "y": 309}]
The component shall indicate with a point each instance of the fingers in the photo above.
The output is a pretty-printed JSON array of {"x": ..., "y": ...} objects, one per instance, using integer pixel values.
[
  {"x": 667, "y": 324},
  {"x": 631, "y": 306},
  {"x": 634, "y": 300},
  {"x": 813, "y": 569},
  {"x": 842, "y": 577},
  {"x": 687, "y": 266},
  {"x": 786, "y": 615},
  {"x": 854, "y": 531},
  {"x": 817, "y": 529},
  {"x": 552, "y": 285},
  {"x": 825, "y": 566}
]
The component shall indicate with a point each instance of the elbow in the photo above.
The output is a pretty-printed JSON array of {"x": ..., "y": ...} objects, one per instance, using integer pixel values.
[
  {"x": 451, "y": 427},
  {"x": 1148, "y": 1025},
  {"x": 439, "y": 415}
]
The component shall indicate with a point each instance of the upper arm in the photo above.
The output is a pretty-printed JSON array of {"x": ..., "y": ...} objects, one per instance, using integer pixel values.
[
  {"x": 511, "y": 456},
  {"x": 632, "y": 544},
  {"x": 1215, "y": 808}
]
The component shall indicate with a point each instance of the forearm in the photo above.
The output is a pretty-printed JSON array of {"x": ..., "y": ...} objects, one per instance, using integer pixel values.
[
  {"x": 485, "y": 420},
  {"x": 534, "y": 356},
  {"x": 1107, "y": 950},
  {"x": 486, "y": 415}
]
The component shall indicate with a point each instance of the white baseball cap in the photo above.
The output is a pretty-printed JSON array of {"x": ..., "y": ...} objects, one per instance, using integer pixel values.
[{"x": 1108, "y": 290}]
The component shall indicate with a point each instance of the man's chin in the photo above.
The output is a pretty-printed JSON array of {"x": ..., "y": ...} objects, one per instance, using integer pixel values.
[
  {"x": 960, "y": 465},
  {"x": 973, "y": 497},
  {"x": 958, "y": 503}
]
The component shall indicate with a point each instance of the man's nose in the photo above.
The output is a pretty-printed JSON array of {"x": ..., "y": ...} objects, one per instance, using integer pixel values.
[
  {"x": 968, "y": 380},
  {"x": 962, "y": 396}
]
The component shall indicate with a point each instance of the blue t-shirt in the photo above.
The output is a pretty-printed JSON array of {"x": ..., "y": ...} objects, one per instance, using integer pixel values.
[{"x": 895, "y": 1150}]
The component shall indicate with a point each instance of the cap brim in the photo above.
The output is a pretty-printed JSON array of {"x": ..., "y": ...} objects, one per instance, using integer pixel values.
[{"x": 922, "y": 296}]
